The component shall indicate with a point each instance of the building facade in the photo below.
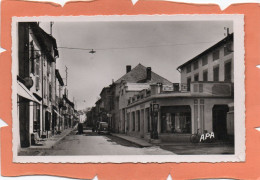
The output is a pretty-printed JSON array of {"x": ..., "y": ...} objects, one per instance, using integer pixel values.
[
  {"x": 39, "y": 86},
  {"x": 202, "y": 102},
  {"x": 119, "y": 91}
]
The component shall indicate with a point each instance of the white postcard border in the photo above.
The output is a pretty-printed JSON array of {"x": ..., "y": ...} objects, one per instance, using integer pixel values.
[{"x": 239, "y": 93}]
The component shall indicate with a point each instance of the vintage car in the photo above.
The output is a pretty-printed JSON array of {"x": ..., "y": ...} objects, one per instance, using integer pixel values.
[{"x": 103, "y": 128}]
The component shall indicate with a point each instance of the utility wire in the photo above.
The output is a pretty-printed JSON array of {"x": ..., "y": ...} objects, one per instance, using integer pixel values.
[{"x": 135, "y": 47}]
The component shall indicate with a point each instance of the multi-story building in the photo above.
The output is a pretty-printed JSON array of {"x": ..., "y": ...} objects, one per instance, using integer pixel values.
[
  {"x": 214, "y": 64},
  {"x": 68, "y": 112},
  {"x": 37, "y": 54},
  {"x": 59, "y": 101},
  {"x": 203, "y": 101},
  {"x": 119, "y": 91}
]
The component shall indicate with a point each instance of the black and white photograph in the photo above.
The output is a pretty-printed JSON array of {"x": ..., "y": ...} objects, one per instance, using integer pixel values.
[{"x": 128, "y": 88}]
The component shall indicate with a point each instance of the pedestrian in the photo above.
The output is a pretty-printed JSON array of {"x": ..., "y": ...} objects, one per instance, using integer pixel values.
[{"x": 82, "y": 118}]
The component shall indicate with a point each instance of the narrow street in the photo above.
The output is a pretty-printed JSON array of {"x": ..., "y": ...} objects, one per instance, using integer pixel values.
[{"x": 91, "y": 143}]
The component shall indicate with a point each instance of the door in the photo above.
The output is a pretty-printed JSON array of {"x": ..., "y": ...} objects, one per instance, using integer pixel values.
[
  {"x": 24, "y": 122},
  {"x": 220, "y": 121}
]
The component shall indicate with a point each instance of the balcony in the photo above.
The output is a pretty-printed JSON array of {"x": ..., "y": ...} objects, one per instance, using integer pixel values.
[
  {"x": 195, "y": 89},
  {"x": 212, "y": 88}
]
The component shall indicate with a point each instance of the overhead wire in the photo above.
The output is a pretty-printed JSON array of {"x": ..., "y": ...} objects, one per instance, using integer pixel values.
[{"x": 134, "y": 47}]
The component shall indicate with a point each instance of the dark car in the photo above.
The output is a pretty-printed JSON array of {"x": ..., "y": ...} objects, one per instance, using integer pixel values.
[{"x": 103, "y": 128}]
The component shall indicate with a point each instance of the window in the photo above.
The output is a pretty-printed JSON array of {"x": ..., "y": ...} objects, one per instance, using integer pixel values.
[
  {"x": 147, "y": 111},
  {"x": 50, "y": 92},
  {"x": 138, "y": 120},
  {"x": 228, "y": 71},
  {"x": 37, "y": 71},
  {"x": 32, "y": 57},
  {"x": 196, "y": 77},
  {"x": 133, "y": 121},
  {"x": 48, "y": 68},
  {"x": 215, "y": 55},
  {"x": 176, "y": 119},
  {"x": 204, "y": 60},
  {"x": 216, "y": 73},
  {"x": 196, "y": 65},
  {"x": 188, "y": 68},
  {"x": 188, "y": 83},
  {"x": 44, "y": 87},
  {"x": 205, "y": 75},
  {"x": 227, "y": 49},
  {"x": 36, "y": 117}
]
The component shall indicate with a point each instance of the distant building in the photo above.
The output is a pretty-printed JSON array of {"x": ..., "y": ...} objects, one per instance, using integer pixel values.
[
  {"x": 115, "y": 96},
  {"x": 59, "y": 125},
  {"x": 203, "y": 101}
]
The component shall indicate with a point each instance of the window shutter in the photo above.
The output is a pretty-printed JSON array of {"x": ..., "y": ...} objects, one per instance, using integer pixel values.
[{"x": 32, "y": 57}]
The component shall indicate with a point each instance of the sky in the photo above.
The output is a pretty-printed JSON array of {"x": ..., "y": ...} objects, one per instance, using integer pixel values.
[{"x": 161, "y": 45}]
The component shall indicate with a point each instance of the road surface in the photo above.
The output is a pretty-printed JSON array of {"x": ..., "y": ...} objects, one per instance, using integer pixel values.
[{"x": 91, "y": 143}]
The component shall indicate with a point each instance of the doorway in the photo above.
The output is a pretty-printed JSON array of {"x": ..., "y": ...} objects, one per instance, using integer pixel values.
[
  {"x": 220, "y": 121},
  {"x": 24, "y": 122}
]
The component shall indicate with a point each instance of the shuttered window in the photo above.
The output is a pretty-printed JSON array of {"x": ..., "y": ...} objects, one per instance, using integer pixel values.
[
  {"x": 32, "y": 57},
  {"x": 228, "y": 71},
  {"x": 215, "y": 55},
  {"x": 204, "y": 60},
  {"x": 205, "y": 76},
  {"x": 37, "y": 71},
  {"x": 196, "y": 65},
  {"x": 216, "y": 73},
  {"x": 196, "y": 77},
  {"x": 188, "y": 68}
]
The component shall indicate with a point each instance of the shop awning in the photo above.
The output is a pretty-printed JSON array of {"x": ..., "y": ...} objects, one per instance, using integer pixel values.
[{"x": 24, "y": 92}]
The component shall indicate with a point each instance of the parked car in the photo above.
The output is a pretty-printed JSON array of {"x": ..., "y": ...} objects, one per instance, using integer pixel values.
[{"x": 103, "y": 128}]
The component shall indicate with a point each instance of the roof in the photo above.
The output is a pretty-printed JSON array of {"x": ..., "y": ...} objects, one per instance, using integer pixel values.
[
  {"x": 46, "y": 41},
  {"x": 105, "y": 88},
  {"x": 223, "y": 41},
  {"x": 138, "y": 75}
]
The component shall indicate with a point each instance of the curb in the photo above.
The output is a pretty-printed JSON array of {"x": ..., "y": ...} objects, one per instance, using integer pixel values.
[
  {"x": 138, "y": 144},
  {"x": 58, "y": 140}
]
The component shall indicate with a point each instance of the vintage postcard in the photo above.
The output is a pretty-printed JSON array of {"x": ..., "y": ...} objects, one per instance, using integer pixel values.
[{"x": 99, "y": 89}]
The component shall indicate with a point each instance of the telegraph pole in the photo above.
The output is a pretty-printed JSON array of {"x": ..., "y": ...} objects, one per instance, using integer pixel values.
[{"x": 66, "y": 70}]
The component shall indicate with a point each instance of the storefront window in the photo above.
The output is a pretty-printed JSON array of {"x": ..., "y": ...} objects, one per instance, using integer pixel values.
[
  {"x": 36, "y": 117},
  {"x": 176, "y": 119}
]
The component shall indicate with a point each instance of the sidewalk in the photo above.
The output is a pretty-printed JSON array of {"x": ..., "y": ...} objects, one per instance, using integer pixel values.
[
  {"x": 134, "y": 140},
  {"x": 46, "y": 144}
]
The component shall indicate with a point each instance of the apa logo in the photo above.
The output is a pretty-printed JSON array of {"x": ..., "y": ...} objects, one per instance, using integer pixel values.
[{"x": 206, "y": 136}]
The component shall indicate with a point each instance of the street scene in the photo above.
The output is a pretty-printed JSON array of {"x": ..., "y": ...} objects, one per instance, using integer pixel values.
[{"x": 124, "y": 88}]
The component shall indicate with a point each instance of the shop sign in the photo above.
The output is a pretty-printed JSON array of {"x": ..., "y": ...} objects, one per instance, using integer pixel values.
[{"x": 167, "y": 88}]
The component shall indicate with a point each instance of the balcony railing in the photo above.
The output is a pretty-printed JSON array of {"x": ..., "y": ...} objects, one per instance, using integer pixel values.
[{"x": 212, "y": 88}]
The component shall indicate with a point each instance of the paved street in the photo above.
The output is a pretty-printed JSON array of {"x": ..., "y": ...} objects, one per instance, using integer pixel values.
[{"x": 91, "y": 143}]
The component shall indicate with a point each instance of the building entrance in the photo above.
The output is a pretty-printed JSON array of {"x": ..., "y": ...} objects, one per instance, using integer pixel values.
[
  {"x": 220, "y": 121},
  {"x": 24, "y": 122}
]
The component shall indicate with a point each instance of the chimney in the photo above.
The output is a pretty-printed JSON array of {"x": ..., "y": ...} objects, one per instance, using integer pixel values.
[
  {"x": 128, "y": 68},
  {"x": 148, "y": 73}
]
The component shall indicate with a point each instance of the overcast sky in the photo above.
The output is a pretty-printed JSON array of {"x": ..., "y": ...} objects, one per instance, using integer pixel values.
[{"x": 163, "y": 46}]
